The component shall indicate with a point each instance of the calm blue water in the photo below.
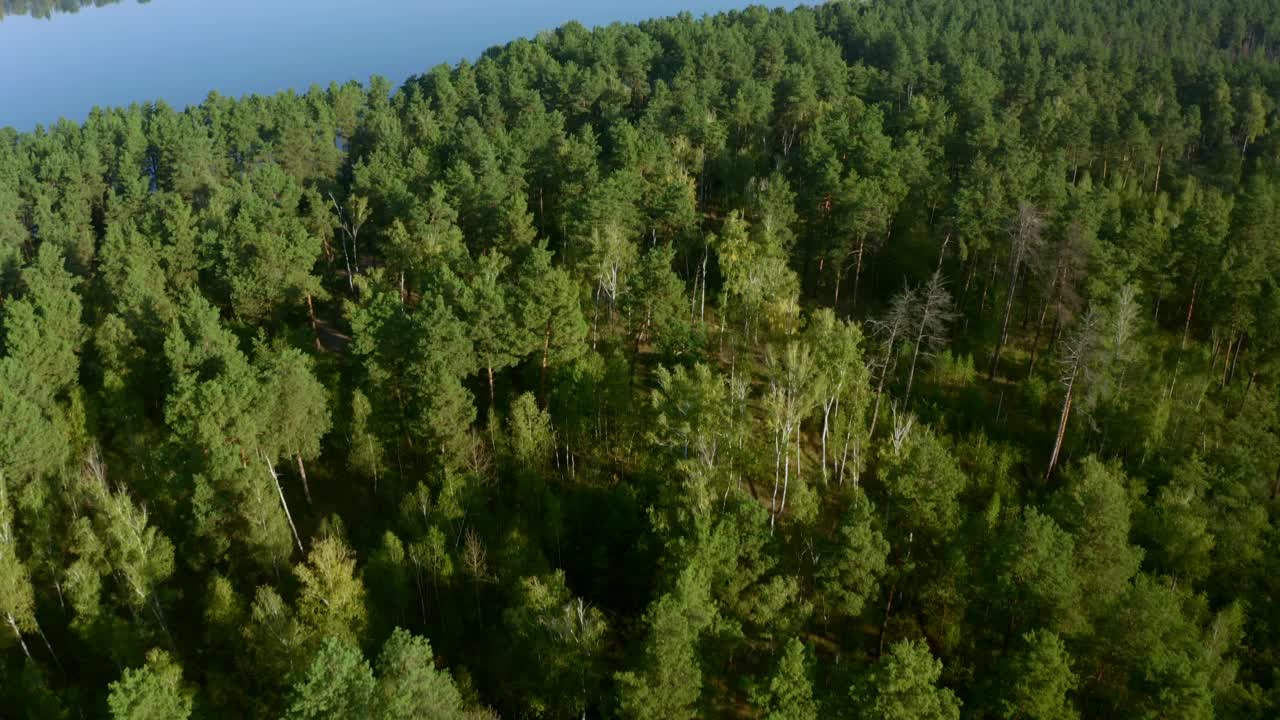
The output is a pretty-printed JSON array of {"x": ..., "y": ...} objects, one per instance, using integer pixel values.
[{"x": 179, "y": 50}]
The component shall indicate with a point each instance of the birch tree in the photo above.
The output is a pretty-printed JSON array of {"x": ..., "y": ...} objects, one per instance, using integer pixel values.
[
  {"x": 842, "y": 386},
  {"x": 791, "y": 377},
  {"x": 331, "y": 598},
  {"x": 558, "y": 637},
  {"x": 691, "y": 413},
  {"x": 350, "y": 220},
  {"x": 133, "y": 549},
  {"x": 17, "y": 599},
  {"x": 758, "y": 283}
]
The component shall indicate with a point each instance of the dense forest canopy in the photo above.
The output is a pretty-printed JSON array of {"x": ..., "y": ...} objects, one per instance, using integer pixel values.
[
  {"x": 47, "y": 8},
  {"x": 881, "y": 359}
]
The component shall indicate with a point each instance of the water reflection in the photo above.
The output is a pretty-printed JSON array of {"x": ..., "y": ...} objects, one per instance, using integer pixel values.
[{"x": 46, "y": 8}]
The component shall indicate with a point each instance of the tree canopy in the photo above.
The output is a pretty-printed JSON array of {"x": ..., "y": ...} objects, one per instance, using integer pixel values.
[{"x": 869, "y": 360}]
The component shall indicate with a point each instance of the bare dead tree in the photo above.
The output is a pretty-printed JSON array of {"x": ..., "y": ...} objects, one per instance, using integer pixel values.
[
  {"x": 1025, "y": 243},
  {"x": 891, "y": 330},
  {"x": 1076, "y": 356},
  {"x": 1123, "y": 326},
  {"x": 933, "y": 313},
  {"x": 1061, "y": 270},
  {"x": 902, "y": 425}
]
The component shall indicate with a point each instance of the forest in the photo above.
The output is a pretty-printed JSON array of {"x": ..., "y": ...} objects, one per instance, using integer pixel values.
[
  {"x": 47, "y": 8},
  {"x": 894, "y": 360}
]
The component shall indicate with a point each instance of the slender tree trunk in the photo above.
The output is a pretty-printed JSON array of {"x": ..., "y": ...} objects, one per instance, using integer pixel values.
[
  {"x": 875, "y": 410},
  {"x": 1227, "y": 360},
  {"x": 422, "y": 601},
  {"x": 986, "y": 286},
  {"x": 968, "y": 276},
  {"x": 1236, "y": 358},
  {"x": 49, "y": 646},
  {"x": 884, "y": 625},
  {"x": 786, "y": 471},
  {"x": 164, "y": 627},
  {"x": 702, "y": 303},
  {"x": 13, "y": 625},
  {"x": 693, "y": 297},
  {"x": 1159, "y": 164},
  {"x": 1056, "y": 332},
  {"x": 1035, "y": 344},
  {"x": 355, "y": 249},
  {"x": 315, "y": 325},
  {"x": 778, "y": 444},
  {"x": 492, "y": 396},
  {"x": 857, "y": 271},
  {"x": 1245, "y": 395},
  {"x": 346, "y": 259},
  {"x": 283, "y": 503},
  {"x": 884, "y": 372},
  {"x": 915, "y": 355},
  {"x": 826, "y": 423},
  {"x": 784, "y": 485},
  {"x": 1004, "y": 324},
  {"x": 1062, "y": 427},
  {"x": 1191, "y": 306},
  {"x": 302, "y": 472},
  {"x": 837, "y": 268},
  {"x": 546, "y": 356},
  {"x": 844, "y": 460},
  {"x": 369, "y": 440}
]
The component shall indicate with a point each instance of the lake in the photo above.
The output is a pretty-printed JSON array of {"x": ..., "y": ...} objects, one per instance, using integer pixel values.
[{"x": 180, "y": 50}]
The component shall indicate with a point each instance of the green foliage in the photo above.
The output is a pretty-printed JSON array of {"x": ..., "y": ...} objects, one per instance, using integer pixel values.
[
  {"x": 1094, "y": 507},
  {"x": 790, "y": 692},
  {"x": 409, "y": 685},
  {"x": 339, "y": 683},
  {"x": 903, "y": 685},
  {"x": 331, "y": 596},
  {"x": 669, "y": 682},
  {"x": 1037, "y": 679},
  {"x": 850, "y": 570},
  {"x": 621, "y": 362},
  {"x": 559, "y": 636},
  {"x": 154, "y": 691},
  {"x": 1035, "y": 574}
]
